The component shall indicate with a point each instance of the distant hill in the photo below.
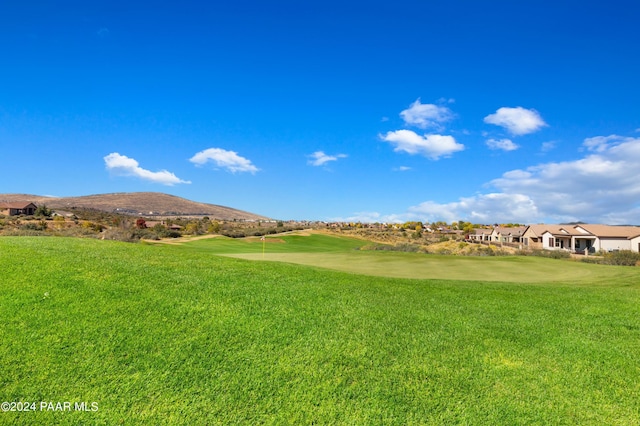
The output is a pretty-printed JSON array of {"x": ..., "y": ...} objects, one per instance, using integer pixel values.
[{"x": 137, "y": 203}]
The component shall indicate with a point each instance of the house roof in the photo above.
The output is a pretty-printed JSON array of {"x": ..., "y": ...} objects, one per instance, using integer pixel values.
[
  {"x": 560, "y": 230},
  {"x": 16, "y": 205},
  {"x": 510, "y": 230},
  {"x": 594, "y": 230},
  {"x": 611, "y": 231},
  {"x": 482, "y": 231}
]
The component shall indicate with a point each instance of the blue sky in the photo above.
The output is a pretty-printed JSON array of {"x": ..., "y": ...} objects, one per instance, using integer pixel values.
[{"x": 497, "y": 111}]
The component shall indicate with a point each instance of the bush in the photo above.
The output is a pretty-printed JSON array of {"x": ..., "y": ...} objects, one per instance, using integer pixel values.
[
  {"x": 551, "y": 254},
  {"x": 403, "y": 247},
  {"x": 234, "y": 234},
  {"x": 591, "y": 259},
  {"x": 40, "y": 226},
  {"x": 118, "y": 234},
  {"x": 621, "y": 258}
]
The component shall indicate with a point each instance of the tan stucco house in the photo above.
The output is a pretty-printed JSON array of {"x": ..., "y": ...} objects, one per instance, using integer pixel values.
[
  {"x": 18, "y": 207},
  {"x": 582, "y": 237},
  {"x": 508, "y": 234}
]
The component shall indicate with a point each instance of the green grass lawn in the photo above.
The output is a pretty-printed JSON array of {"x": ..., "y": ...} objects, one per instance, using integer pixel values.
[
  {"x": 340, "y": 253},
  {"x": 180, "y": 335}
]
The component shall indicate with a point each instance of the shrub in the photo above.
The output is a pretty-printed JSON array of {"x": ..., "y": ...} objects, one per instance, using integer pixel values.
[
  {"x": 621, "y": 258},
  {"x": 592, "y": 259},
  {"x": 118, "y": 234},
  {"x": 234, "y": 234},
  {"x": 403, "y": 247},
  {"x": 551, "y": 254},
  {"x": 407, "y": 247},
  {"x": 31, "y": 226}
]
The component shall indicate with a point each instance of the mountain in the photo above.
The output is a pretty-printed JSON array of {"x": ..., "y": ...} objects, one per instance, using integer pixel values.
[{"x": 137, "y": 203}]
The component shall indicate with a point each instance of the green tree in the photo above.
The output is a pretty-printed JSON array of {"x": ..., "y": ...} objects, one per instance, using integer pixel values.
[
  {"x": 468, "y": 227},
  {"x": 42, "y": 210}
]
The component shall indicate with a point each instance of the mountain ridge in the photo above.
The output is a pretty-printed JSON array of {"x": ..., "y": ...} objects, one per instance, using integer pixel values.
[{"x": 137, "y": 203}]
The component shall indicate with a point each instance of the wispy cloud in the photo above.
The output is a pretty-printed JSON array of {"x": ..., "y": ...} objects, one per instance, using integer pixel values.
[
  {"x": 548, "y": 146},
  {"x": 426, "y": 115},
  {"x": 502, "y": 144},
  {"x": 402, "y": 169},
  {"x": 431, "y": 146},
  {"x": 228, "y": 160},
  {"x": 125, "y": 166},
  {"x": 604, "y": 143},
  {"x": 319, "y": 158},
  {"x": 518, "y": 120},
  {"x": 103, "y": 32},
  {"x": 369, "y": 217}
]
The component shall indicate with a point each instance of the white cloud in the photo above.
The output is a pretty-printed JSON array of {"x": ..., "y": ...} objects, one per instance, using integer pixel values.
[
  {"x": 222, "y": 158},
  {"x": 123, "y": 165},
  {"x": 431, "y": 146},
  {"x": 370, "y": 217},
  {"x": 402, "y": 169},
  {"x": 601, "y": 187},
  {"x": 503, "y": 144},
  {"x": 485, "y": 208},
  {"x": 602, "y": 143},
  {"x": 319, "y": 158},
  {"x": 426, "y": 115},
  {"x": 518, "y": 121}
]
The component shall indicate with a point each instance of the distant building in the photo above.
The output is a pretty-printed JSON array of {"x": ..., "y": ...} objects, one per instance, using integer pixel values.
[{"x": 18, "y": 207}]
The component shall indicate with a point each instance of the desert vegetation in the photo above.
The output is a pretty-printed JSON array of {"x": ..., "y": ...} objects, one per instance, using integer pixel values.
[{"x": 93, "y": 223}]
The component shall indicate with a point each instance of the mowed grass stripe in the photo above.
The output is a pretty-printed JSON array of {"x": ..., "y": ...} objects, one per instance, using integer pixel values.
[{"x": 169, "y": 335}]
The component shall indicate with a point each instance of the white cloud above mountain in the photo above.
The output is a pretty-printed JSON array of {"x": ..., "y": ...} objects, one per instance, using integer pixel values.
[{"x": 126, "y": 166}]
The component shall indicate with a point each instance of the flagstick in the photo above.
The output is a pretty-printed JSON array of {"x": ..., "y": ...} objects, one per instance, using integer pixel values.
[{"x": 262, "y": 247}]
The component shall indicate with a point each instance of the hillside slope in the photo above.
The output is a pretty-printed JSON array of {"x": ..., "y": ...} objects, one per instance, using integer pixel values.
[{"x": 138, "y": 203}]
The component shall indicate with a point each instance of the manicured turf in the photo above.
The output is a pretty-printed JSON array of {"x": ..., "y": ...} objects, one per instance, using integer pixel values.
[
  {"x": 340, "y": 253},
  {"x": 176, "y": 335}
]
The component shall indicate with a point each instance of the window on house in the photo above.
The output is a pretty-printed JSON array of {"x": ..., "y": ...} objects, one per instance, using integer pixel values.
[
  {"x": 552, "y": 242},
  {"x": 525, "y": 241}
]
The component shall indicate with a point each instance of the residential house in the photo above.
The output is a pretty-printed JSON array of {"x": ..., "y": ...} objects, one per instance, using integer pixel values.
[
  {"x": 506, "y": 234},
  {"x": 480, "y": 234},
  {"x": 609, "y": 238},
  {"x": 582, "y": 238},
  {"x": 18, "y": 207}
]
